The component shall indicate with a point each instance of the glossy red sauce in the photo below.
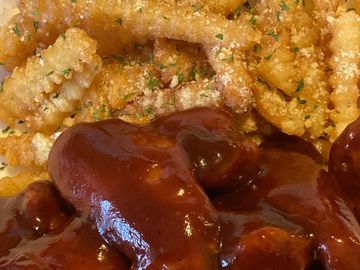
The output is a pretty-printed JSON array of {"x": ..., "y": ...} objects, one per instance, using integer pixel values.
[{"x": 186, "y": 192}]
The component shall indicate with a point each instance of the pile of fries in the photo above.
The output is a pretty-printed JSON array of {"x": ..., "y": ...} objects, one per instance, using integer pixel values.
[{"x": 288, "y": 65}]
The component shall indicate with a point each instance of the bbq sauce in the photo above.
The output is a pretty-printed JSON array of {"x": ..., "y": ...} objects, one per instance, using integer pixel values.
[
  {"x": 139, "y": 184},
  {"x": 39, "y": 230},
  {"x": 344, "y": 162},
  {"x": 144, "y": 192}
]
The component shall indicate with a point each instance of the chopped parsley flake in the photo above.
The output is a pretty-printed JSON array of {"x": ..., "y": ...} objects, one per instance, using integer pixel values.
[
  {"x": 129, "y": 96},
  {"x": 1, "y": 86},
  {"x": 66, "y": 72},
  {"x": 219, "y": 36},
  {"x": 50, "y": 73},
  {"x": 274, "y": 35},
  {"x": 277, "y": 15},
  {"x": 149, "y": 111},
  {"x": 307, "y": 117},
  {"x": 268, "y": 57},
  {"x": 180, "y": 76},
  {"x": 152, "y": 82},
  {"x": 36, "y": 13},
  {"x": 17, "y": 30},
  {"x": 161, "y": 66},
  {"x": 237, "y": 12},
  {"x": 197, "y": 7},
  {"x": 284, "y": 6},
  {"x": 98, "y": 114},
  {"x": 252, "y": 20},
  {"x": 3, "y": 166},
  {"x": 296, "y": 49},
  {"x": 6, "y": 130},
  {"x": 192, "y": 74},
  {"x": 300, "y": 86},
  {"x": 21, "y": 122},
  {"x": 301, "y": 101},
  {"x": 73, "y": 1},
  {"x": 56, "y": 95},
  {"x": 257, "y": 48}
]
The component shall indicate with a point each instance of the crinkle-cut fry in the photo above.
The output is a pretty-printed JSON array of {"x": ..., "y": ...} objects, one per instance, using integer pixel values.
[
  {"x": 287, "y": 59},
  {"x": 344, "y": 62},
  {"x": 179, "y": 61},
  {"x": 114, "y": 87},
  {"x": 10, "y": 186},
  {"x": 192, "y": 24},
  {"x": 26, "y": 150},
  {"x": 49, "y": 87},
  {"x": 164, "y": 101},
  {"x": 41, "y": 22}
]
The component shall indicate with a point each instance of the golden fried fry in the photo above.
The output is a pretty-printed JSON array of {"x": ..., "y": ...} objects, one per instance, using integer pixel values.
[
  {"x": 113, "y": 88},
  {"x": 48, "y": 89},
  {"x": 163, "y": 101},
  {"x": 26, "y": 150},
  {"x": 193, "y": 24},
  {"x": 16, "y": 41},
  {"x": 345, "y": 60},
  {"x": 178, "y": 61},
  {"x": 233, "y": 78},
  {"x": 41, "y": 22},
  {"x": 10, "y": 186},
  {"x": 291, "y": 89}
]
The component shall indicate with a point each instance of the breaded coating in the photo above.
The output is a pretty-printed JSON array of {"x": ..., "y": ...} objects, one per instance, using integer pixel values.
[
  {"x": 51, "y": 84},
  {"x": 26, "y": 150},
  {"x": 291, "y": 86},
  {"x": 163, "y": 101},
  {"x": 113, "y": 88},
  {"x": 321, "y": 10},
  {"x": 135, "y": 93},
  {"x": 232, "y": 77},
  {"x": 178, "y": 61},
  {"x": 344, "y": 62},
  {"x": 224, "y": 7},
  {"x": 17, "y": 41}
]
